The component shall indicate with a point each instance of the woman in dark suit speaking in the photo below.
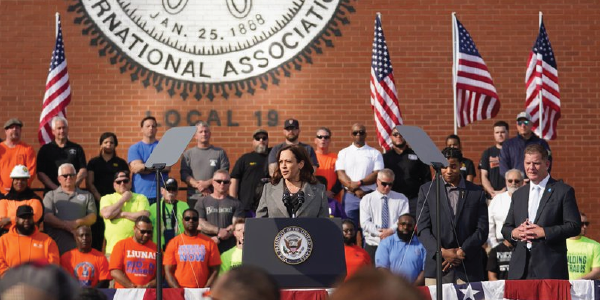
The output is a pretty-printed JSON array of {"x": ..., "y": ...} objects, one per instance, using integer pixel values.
[{"x": 294, "y": 191}]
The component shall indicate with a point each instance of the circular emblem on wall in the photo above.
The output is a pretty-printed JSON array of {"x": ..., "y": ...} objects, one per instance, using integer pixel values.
[
  {"x": 199, "y": 47},
  {"x": 293, "y": 245}
]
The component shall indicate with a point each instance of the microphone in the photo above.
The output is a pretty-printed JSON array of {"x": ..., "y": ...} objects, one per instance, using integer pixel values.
[
  {"x": 287, "y": 199},
  {"x": 300, "y": 201}
]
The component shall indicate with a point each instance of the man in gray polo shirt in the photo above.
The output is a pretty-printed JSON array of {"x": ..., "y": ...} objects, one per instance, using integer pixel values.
[
  {"x": 199, "y": 163},
  {"x": 66, "y": 208}
]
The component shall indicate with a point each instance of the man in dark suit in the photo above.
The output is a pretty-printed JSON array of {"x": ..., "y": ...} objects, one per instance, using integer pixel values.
[
  {"x": 464, "y": 224},
  {"x": 542, "y": 215}
]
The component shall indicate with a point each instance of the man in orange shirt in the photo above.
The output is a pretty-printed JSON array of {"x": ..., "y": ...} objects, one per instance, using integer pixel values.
[
  {"x": 85, "y": 263},
  {"x": 19, "y": 194},
  {"x": 14, "y": 152},
  {"x": 133, "y": 260},
  {"x": 327, "y": 163},
  {"x": 356, "y": 257},
  {"x": 25, "y": 243},
  {"x": 192, "y": 259}
]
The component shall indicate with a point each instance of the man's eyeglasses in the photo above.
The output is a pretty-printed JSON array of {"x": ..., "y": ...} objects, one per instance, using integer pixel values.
[
  {"x": 144, "y": 231},
  {"x": 219, "y": 181},
  {"x": 260, "y": 138},
  {"x": 119, "y": 182},
  {"x": 386, "y": 184},
  {"x": 323, "y": 137},
  {"x": 68, "y": 175},
  {"x": 523, "y": 122},
  {"x": 187, "y": 219},
  {"x": 516, "y": 181},
  {"x": 585, "y": 224},
  {"x": 359, "y": 132}
]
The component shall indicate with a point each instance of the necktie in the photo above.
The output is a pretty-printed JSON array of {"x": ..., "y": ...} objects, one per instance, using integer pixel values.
[
  {"x": 534, "y": 203},
  {"x": 385, "y": 213}
]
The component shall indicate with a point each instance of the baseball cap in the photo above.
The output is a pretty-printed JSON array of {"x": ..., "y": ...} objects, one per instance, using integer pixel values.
[
  {"x": 523, "y": 115},
  {"x": 123, "y": 174},
  {"x": 257, "y": 131},
  {"x": 20, "y": 171},
  {"x": 24, "y": 211},
  {"x": 13, "y": 121},
  {"x": 291, "y": 123},
  {"x": 171, "y": 183}
]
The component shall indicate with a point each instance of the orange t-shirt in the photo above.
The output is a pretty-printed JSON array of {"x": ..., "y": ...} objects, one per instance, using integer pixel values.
[
  {"x": 356, "y": 258},
  {"x": 89, "y": 268},
  {"x": 137, "y": 261},
  {"x": 21, "y": 154},
  {"x": 327, "y": 169},
  {"x": 192, "y": 255}
]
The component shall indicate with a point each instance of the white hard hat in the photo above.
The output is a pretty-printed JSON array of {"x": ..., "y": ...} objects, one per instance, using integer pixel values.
[{"x": 20, "y": 171}]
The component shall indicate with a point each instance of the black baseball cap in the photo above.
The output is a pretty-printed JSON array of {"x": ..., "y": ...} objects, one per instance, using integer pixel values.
[
  {"x": 171, "y": 183},
  {"x": 291, "y": 123},
  {"x": 24, "y": 211}
]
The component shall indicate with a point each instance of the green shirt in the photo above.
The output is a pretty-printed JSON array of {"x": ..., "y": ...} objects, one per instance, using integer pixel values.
[
  {"x": 583, "y": 254},
  {"x": 230, "y": 258},
  {"x": 181, "y": 206},
  {"x": 121, "y": 228}
]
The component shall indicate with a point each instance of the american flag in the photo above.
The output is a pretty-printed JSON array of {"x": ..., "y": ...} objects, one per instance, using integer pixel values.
[
  {"x": 58, "y": 90},
  {"x": 542, "y": 76},
  {"x": 476, "y": 97},
  {"x": 384, "y": 98}
]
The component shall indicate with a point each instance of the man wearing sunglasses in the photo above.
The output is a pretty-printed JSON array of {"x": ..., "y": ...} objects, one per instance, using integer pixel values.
[
  {"x": 357, "y": 166},
  {"x": 192, "y": 259},
  {"x": 250, "y": 173},
  {"x": 67, "y": 208},
  {"x": 171, "y": 213},
  {"x": 327, "y": 163},
  {"x": 120, "y": 210},
  {"x": 291, "y": 130},
  {"x": 498, "y": 208},
  {"x": 583, "y": 254},
  {"x": 218, "y": 211},
  {"x": 512, "y": 153},
  {"x": 379, "y": 210},
  {"x": 133, "y": 262}
]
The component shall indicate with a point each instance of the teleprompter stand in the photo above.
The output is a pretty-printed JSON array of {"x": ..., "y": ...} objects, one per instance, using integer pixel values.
[
  {"x": 429, "y": 154},
  {"x": 166, "y": 154}
]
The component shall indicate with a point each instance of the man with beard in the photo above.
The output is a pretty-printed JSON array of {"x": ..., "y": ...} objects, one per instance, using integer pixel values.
[
  {"x": 61, "y": 150},
  {"x": 85, "y": 263},
  {"x": 409, "y": 171},
  {"x": 498, "y": 208},
  {"x": 14, "y": 152},
  {"x": 356, "y": 257},
  {"x": 250, "y": 173},
  {"x": 199, "y": 163},
  {"x": 25, "y": 243},
  {"x": 19, "y": 194},
  {"x": 133, "y": 260},
  {"x": 191, "y": 259},
  {"x": 291, "y": 130},
  {"x": 402, "y": 253},
  {"x": 463, "y": 228},
  {"x": 172, "y": 213},
  {"x": 233, "y": 257}
]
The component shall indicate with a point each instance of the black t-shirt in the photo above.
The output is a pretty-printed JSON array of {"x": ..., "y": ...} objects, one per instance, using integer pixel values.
[
  {"x": 499, "y": 260},
  {"x": 467, "y": 168},
  {"x": 409, "y": 171},
  {"x": 490, "y": 161},
  {"x": 51, "y": 156},
  {"x": 104, "y": 172},
  {"x": 249, "y": 169}
]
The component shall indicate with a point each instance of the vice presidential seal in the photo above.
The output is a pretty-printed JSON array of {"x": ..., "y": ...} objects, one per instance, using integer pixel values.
[
  {"x": 200, "y": 47},
  {"x": 293, "y": 245}
]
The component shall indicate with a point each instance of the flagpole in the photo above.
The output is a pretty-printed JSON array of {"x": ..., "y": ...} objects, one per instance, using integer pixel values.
[
  {"x": 540, "y": 96},
  {"x": 454, "y": 56},
  {"x": 56, "y": 27}
]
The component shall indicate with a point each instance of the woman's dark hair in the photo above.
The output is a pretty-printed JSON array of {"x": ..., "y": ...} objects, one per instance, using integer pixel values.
[
  {"x": 107, "y": 135},
  {"x": 307, "y": 171}
]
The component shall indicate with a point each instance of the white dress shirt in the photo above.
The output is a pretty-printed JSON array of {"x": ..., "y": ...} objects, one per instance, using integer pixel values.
[
  {"x": 497, "y": 212},
  {"x": 536, "y": 202},
  {"x": 370, "y": 213}
]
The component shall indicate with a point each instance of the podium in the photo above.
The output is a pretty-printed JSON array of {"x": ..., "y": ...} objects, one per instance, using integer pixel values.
[{"x": 299, "y": 253}]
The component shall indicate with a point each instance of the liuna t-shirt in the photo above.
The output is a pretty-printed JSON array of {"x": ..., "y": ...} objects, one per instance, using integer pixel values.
[{"x": 137, "y": 261}]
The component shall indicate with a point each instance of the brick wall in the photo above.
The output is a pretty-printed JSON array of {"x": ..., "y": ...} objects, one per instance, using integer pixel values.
[{"x": 334, "y": 90}]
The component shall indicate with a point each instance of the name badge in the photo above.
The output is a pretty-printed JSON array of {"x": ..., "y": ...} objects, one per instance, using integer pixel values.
[{"x": 412, "y": 157}]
